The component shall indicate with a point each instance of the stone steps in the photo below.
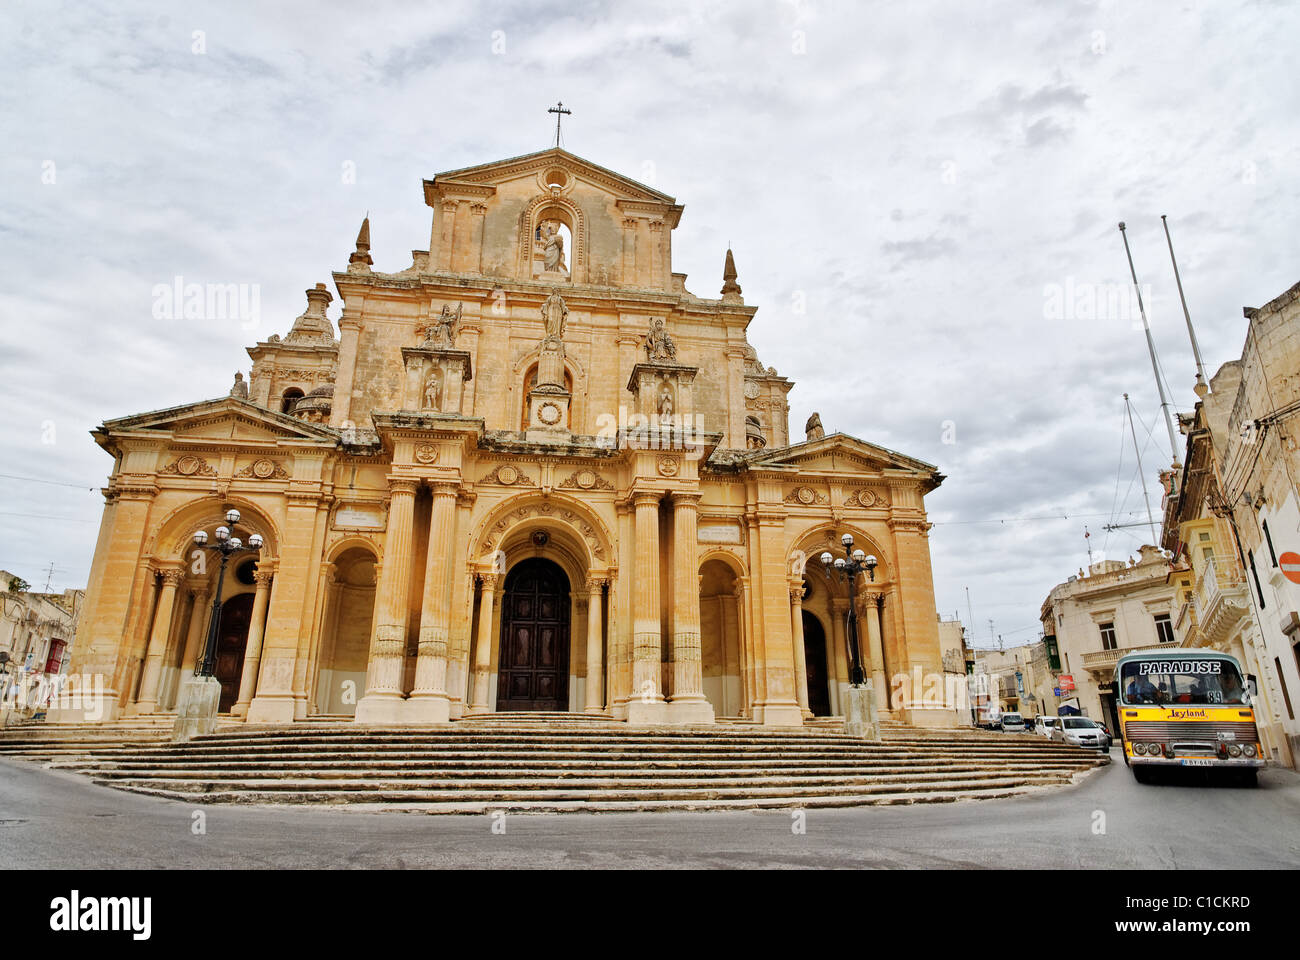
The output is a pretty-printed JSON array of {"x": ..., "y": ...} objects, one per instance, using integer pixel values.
[{"x": 532, "y": 763}]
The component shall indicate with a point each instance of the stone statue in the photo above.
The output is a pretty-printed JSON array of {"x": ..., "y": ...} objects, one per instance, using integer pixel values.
[
  {"x": 814, "y": 427},
  {"x": 658, "y": 344},
  {"x": 554, "y": 312},
  {"x": 666, "y": 401},
  {"x": 553, "y": 248},
  {"x": 442, "y": 331},
  {"x": 432, "y": 392},
  {"x": 239, "y": 388}
]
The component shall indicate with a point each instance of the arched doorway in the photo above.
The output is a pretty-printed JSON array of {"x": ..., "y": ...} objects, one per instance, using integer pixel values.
[
  {"x": 814, "y": 646},
  {"x": 236, "y": 615},
  {"x": 533, "y": 662},
  {"x": 345, "y": 642},
  {"x": 720, "y": 639}
]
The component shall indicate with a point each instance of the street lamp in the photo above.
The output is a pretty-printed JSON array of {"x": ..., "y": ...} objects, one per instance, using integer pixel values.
[
  {"x": 847, "y": 568},
  {"x": 227, "y": 546}
]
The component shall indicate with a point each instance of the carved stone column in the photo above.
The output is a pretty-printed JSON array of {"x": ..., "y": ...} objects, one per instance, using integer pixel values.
[
  {"x": 147, "y": 702},
  {"x": 874, "y": 602},
  {"x": 483, "y": 647},
  {"x": 198, "y": 620},
  {"x": 800, "y": 654},
  {"x": 688, "y": 703},
  {"x": 839, "y": 627},
  {"x": 429, "y": 702},
  {"x": 383, "y": 700},
  {"x": 595, "y": 633},
  {"x": 645, "y": 700},
  {"x": 253, "y": 651}
]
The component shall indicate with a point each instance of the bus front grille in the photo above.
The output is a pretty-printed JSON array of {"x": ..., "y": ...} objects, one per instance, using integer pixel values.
[{"x": 1202, "y": 730}]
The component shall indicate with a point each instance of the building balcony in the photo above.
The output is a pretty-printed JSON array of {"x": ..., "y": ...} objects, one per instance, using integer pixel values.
[
  {"x": 1102, "y": 662},
  {"x": 1219, "y": 602}
]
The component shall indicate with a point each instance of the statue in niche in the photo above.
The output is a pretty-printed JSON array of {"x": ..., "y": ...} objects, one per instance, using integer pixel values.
[
  {"x": 658, "y": 344},
  {"x": 432, "y": 392},
  {"x": 239, "y": 388},
  {"x": 665, "y": 400},
  {"x": 441, "y": 332},
  {"x": 551, "y": 242}
]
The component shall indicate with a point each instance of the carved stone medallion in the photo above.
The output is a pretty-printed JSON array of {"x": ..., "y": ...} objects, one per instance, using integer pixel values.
[{"x": 426, "y": 453}]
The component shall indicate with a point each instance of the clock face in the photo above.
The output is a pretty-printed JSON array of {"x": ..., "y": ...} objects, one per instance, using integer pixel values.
[{"x": 751, "y": 389}]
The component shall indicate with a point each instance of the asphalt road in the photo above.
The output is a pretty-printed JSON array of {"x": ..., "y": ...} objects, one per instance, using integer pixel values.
[{"x": 59, "y": 820}]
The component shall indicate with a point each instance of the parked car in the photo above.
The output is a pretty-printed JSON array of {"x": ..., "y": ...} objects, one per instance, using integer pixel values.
[
  {"x": 1044, "y": 725},
  {"x": 1081, "y": 732},
  {"x": 1106, "y": 731},
  {"x": 1012, "y": 723}
]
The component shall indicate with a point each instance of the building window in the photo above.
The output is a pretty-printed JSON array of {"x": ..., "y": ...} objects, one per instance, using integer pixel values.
[
  {"x": 1107, "y": 636},
  {"x": 1164, "y": 629},
  {"x": 289, "y": 399},
  {"x": 1269, "y": 537},
  {"x": 1281, "y": 679}
]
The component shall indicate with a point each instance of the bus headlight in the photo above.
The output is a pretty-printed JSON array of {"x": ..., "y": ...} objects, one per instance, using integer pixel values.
[
  {"x": 1153, "y": 749},
  {"x": 1250, "y": 749},
  {"x": 1140, "y": 749},
  {"x": 1234, "y": 750}
]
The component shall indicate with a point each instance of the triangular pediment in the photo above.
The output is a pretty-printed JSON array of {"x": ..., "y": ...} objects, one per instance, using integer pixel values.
[
  {"x": 843, "y": 454},
  {"x": 224, "y": 419},
  {"x": 532, "y": 164}
]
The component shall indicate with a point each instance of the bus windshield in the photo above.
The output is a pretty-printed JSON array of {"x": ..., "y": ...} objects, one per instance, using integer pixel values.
[{"x": 1181, "y": 681}]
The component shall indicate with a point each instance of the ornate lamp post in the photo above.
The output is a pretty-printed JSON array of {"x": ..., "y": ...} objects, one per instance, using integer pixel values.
[
  {"x": 847, "y": 568},
  {"x": 227, "y": 546}
]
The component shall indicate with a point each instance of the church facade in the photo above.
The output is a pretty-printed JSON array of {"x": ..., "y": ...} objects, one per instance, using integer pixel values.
[{"x": 530, "y": 472}]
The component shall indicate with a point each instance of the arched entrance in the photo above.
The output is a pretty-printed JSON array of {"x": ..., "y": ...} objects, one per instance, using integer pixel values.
[
  {"x": 720, "y": 639},
  {"x": 814, "y": 645},
  {"x": 236, "y": 615},
  {"x": 533, "y": 663}
]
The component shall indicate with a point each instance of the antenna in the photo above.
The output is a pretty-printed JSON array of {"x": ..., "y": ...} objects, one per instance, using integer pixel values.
[
  {"x": 1201, "y": 387},
  {"x": 49, "y": 576},
  {"x": 1151, "y": 346},
  {"x": 1087, "y": 539}
]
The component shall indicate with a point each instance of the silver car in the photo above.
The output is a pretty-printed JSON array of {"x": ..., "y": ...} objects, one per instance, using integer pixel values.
[{"x": 1081, "y": 732}]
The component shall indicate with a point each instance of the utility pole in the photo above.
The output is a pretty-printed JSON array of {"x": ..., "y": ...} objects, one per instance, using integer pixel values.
[{"x": 1202, "y": 387}]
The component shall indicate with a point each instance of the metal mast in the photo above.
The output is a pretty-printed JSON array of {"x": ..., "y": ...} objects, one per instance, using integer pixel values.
[
  {"x": 1151, "y": 348},
  {"x": 1202, "y": 385},
  {"x": 1142, "y": 476}
]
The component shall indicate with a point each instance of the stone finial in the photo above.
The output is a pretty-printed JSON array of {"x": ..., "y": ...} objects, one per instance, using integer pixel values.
[
  {"x": 361, "y": 261},
  {"x": 239, "y": 388},
  {"x": 814, "y": 427},
  {"x": 313, "y": 324},
  {"x": 730, "y": 288}
]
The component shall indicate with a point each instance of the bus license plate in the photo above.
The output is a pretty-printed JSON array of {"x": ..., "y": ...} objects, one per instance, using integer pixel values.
[{"x": 1197, "y": 762}]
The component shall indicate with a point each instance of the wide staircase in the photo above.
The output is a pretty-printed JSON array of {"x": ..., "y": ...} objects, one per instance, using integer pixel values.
[{"x": 550, "y": 763}]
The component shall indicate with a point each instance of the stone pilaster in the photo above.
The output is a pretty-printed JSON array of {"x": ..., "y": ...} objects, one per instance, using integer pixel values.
[
  {"x": 172, "y": 578},
  {"x": 429, "y": 702},
  {"x": 688, "y": 703},
  {"x": 383, "y": 700},
  {"x": 645, "y": 700}
]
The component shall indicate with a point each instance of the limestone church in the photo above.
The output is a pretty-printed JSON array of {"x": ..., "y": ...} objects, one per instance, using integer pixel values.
[{"x": 531, "y": 471}]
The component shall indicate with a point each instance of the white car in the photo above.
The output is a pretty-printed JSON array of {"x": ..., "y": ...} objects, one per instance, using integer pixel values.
[
  {"x": 1012, "y": 723},
  {"x": 1044, "y": 725},
  {"x": 1081, "y": 732}
]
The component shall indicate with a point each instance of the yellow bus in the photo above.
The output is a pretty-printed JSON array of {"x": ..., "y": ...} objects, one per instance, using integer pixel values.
[{"x": 1186, "y": 708}]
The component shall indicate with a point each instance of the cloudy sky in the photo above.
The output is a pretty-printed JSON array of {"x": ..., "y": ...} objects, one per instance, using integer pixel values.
[{"x": 922, "y": 199}]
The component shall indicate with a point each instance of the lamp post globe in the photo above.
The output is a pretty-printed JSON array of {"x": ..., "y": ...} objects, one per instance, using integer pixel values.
[
  {"x": 846, "y": 569},
  {"x": 227, "y": 546}
]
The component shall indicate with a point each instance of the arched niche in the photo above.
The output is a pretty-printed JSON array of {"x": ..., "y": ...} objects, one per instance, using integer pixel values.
[{"x": 568, "y": 217}]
